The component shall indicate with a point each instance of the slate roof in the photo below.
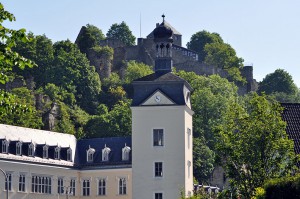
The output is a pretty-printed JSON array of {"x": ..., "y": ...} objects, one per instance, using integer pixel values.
[
  {"x": 168, "y": 83},
  {"x": 116, "y": 144},
  {"x": 162, "y": 77},
  {"x": 291, "y": 115},
  {"x": 175, "y": 32}
]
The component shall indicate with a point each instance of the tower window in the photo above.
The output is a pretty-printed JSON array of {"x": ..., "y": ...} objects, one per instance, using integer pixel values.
[
  {"x": 158, "y": 196},
  {"x": 158, "y": 137},
  {"x": 5, "y": 144},
  {"x": 158, "y": 169},
  {"x": 19, "y": 148},
  {"x": 189, "y": 132}
]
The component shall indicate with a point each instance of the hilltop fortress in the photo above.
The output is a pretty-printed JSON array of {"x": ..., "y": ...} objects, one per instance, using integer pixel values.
[{"x": 145, "y": 52}]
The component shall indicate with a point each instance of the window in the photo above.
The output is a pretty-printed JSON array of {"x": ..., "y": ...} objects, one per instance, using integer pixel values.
[
  {"x": 8, "y": 181},
  {"x": 158, "y": 137},
  {"x": 158, "y": 171},
  {"x": 21, "y": 183},
  {"x": 125, "y": 153},
  {"x": 57, "y": 153},
  {"x": 102, "y": 187},
  {"x": 41, "y": 184},
  {"x": 158, "y": 196},
  {"x": 19, "y": 148},
  {"x": 189, "y": 132},
  {"x": 86, "y": 187},
  {"x": 189, "y": 163},
  {"x": 122, "y": 186},
  {"x": 31, "y": 149},
  {"x": 105, "y": 153},
  {"x": 60, "y": 185},
  {"x": 90, "y": 154},
  {"x": 45, "y": 151},
  {"x": 72, "y": 187},
  {"x": 5, "y": 145},
  {"x": 69, "y": 154}
]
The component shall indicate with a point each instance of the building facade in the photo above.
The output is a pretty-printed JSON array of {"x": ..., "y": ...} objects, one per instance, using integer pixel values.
[{"x": 155, "y": 163}]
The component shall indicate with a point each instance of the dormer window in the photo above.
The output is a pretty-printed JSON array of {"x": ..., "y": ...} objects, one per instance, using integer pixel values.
[
  {"x": 19, "y": 148},
  {"x": 31, "y": 149},
  {"x": 105, "y": 153},
  {"x": 125, "y": 153},
  {"x": 69, "y": 155},
  {"x": 57, "y": 153},
  {"x": 90, "y": 154},
  {"x": 5, "y": 144},
  {"x": 45, "y": 151}
]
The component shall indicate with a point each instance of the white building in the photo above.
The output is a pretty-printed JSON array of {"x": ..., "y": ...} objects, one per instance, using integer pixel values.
[{"x": 158, "y": 165}]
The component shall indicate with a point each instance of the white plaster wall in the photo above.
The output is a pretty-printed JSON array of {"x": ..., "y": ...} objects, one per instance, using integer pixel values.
[
  {"x": 174, "y": 121},
  {"x": 31, "y": 169}
]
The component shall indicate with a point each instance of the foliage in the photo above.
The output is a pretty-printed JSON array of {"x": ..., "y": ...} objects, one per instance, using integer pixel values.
[
  {"x": 211, "y": 99},
  {"x": 136, "y": 70},
  {"x": 259, "y": 193},
  {"x": 203, "y": 160},
  {"x": 19, "y": 110},
  {"x": 39, "y": 49},
  {"x": 104, "y": 51},
  {"x": 201, "y": 194},
  {"x": 121, "y": 32},
  {"x": 200, "y": 39},
  {"x": 286, "y": 187},
  {"x": 72, "y": 72},
  {"x": 115, "y": 123},
  {"x": 224, "y": 56},
  {"x": 279, "y": 81},
  {"x": 253, "y": 144},
  {"x": 89, "y": 37},
  {"x": 8, "y": 39},
  {"x": 286, "y": 98}
]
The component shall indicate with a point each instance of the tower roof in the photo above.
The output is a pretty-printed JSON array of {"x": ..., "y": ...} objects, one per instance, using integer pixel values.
[
  {"x": 162, "y": 31},
  {"x": 166, "y": 24}
]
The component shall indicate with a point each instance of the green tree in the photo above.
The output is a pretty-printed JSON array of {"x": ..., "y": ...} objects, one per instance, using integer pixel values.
[
  {"x": 279, "y": 81},
  {"x": 115, "y": 123},
  {"x": 89, "y": 37},
  {"x": 72, "y": 72},
  {"x": 211, "y": 99},
  {"x": 12, "y": 109},
  {"x": 253, "y": 144},
  {"x": 136, "y": 70},
  {"x": 121, "y": 32},
  {"x": 200, "y": 39},
  {"x": 40, "y": 50},
  {"x": 224, "y": 56}
]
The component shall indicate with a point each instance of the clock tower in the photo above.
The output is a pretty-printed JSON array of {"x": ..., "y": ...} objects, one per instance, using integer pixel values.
[{"x": 162, "y": 141}]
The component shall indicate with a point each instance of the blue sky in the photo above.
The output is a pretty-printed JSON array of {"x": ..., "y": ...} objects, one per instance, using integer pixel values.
[{"x": 264, "y": 33}]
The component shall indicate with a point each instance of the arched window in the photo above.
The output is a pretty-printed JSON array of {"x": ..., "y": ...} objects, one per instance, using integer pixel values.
[
  {"x": 90, "y": 154},
  {"x": 5, "y": 144},
  {"x": 69, "y": 154},
  {"x": 31, "y": 149},
  {"x": 45, "y": 151},
  {"x": 105, "y": 153},
  {"x": 19, "y": 148},
  {"x": 125, "y": 153},
  {"x": 57, "y": 153}
]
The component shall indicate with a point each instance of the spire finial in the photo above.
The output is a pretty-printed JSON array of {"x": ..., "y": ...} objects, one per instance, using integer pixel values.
[{"x": 163, "y": 16}]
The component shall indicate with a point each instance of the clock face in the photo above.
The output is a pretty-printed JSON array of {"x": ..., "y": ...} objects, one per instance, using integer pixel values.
[{"x": 157, "y": 98}]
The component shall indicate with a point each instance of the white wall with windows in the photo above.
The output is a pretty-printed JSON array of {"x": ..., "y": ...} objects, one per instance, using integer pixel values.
[{"x": 28, "y": 181}]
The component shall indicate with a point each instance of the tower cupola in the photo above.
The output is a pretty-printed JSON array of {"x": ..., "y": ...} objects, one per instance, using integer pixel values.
[{"x": 163, "y": 43}]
